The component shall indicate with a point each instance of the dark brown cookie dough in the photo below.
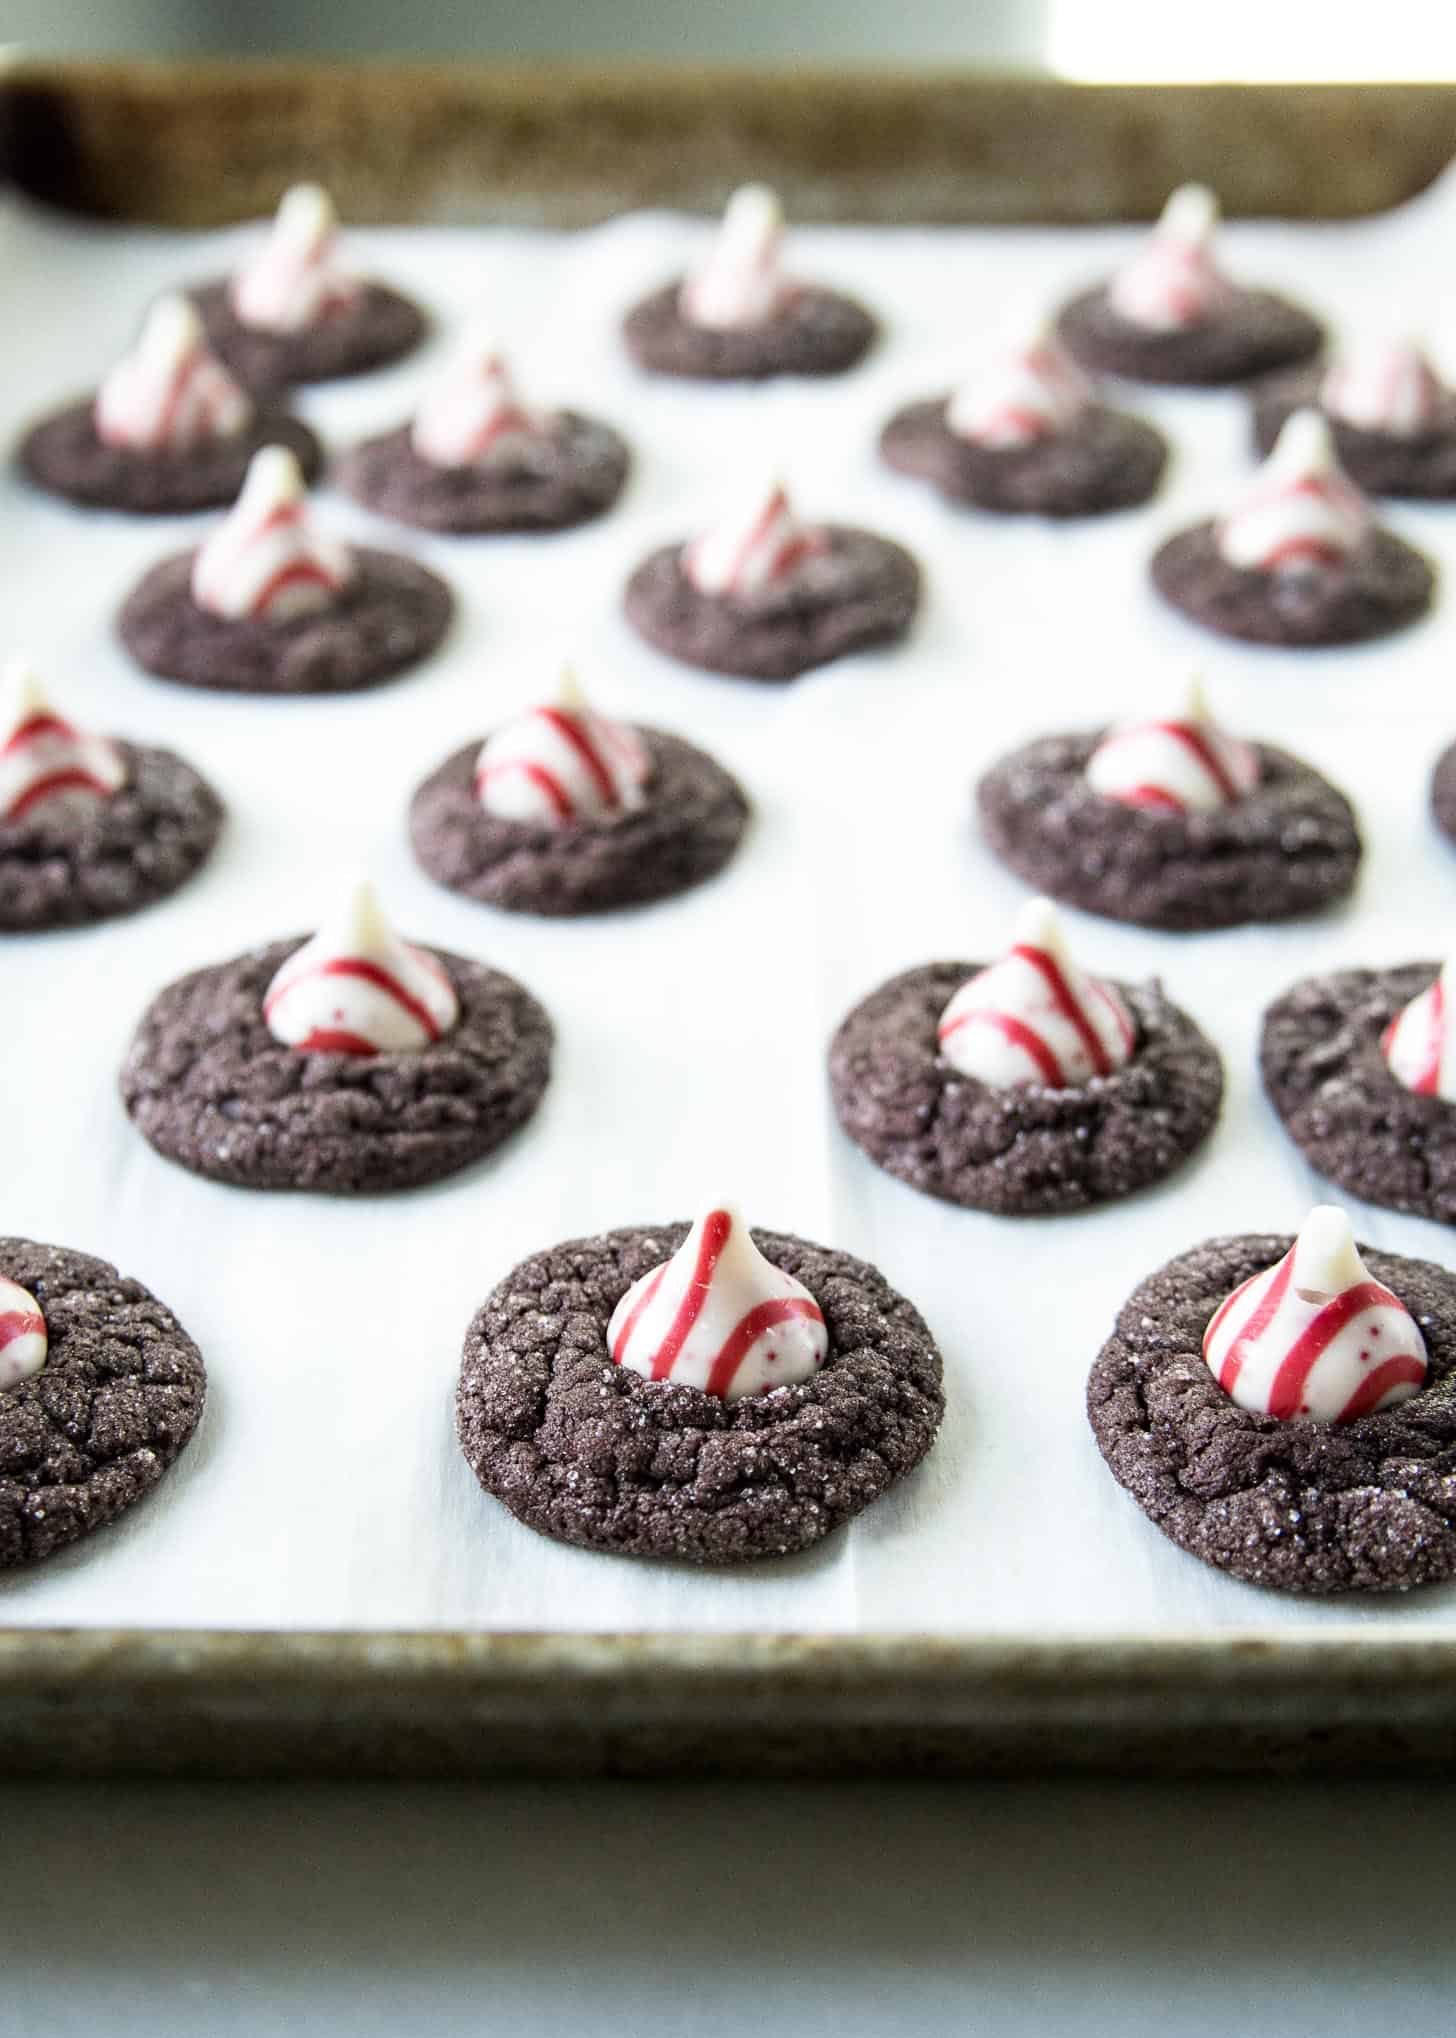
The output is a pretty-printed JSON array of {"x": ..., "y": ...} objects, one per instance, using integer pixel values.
[
  {"x": 815, "y": 332},
  {"x": 1105, "y": 461},
  {"x": 207, "y": 1084},
  {"x": 1320, "y": 1058},
  {"x": 1419, "y": 464},
  {"x": 378, "y": 326},
  {"x": 864, "y": 593},
  {"x": 1443, "y": 792},
  {"x": 546, "y": 480},
  {"x": 1028, "y": 1151},
  {"x": 392, "y": 613},
  {"x": 1364, "y": 1506},
  {"x": 590, "y": 1453},
  {"x": 1382, "y": 587},
  {"x": 1290, "y": 847},
  {"x": 1258, "y": 333},
  {"x": 694, "y": 816},
  {"x": 117, "y": 1400},
  {"x": 75, "y": 859},
  {"x": 64, "y": 454}
]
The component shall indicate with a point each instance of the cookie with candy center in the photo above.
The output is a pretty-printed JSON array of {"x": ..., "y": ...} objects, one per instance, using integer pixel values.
[
  {"x": 1026, "y": 1087},
  {"x": 695, "y": 1392},
  {"x": 1392, "y": 418}
]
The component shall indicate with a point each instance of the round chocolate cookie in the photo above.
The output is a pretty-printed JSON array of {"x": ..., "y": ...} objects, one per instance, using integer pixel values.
[
  {"x": 864, "y": 591},
  {"x": 814, "y": 332},
  {"x": 591, "y": 1453},
  {"x": 1363, "y": 1506},
  {"x": 208, "y": 1085},
  {"x": 391, "y": 613},
  {"x": 376, "y": 327},
  {"x": 117, "y": 1399},
  {"x": 75, "y": 859},
  {"x": 1443, "y": 792},
  {"x": 1419, "y": 464},
  {"x": 1382, "y": 587},
  {"x": 1027, "y": 1151},
  {"x": 547, "y": 480},
  {"x": 1288, "y": 848},
  {"x": 1105, "y": 461},
  {"x": 690, "y": 825},
  {"x": 1258, "y": 333},
  {"x": 1320, "y": 1058},
  {"x": 63, "y": 453}
]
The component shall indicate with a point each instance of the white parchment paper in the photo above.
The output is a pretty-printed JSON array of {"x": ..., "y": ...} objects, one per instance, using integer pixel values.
[{"x": 325, "y": 1488}]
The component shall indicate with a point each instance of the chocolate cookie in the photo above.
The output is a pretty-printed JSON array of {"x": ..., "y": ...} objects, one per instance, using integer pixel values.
[
  {"x": 1363, "y": 1506},
  {"x": 1288, "y": 848},
  {"x": 864, "y": 591},
  {"x": 117, "y": 1400},
  {"x": 376, "y": 327},
  {"x": 73, "y": 859},
  {"x": 1258, "y": 333},
  {"x": 690, "y": 825},
  {"x": 591, "y": 1453},
  {"x": 1320, "y": 1058},
  {"x": 814, "y": 332},
  {"x": 546, "y": 480},
  {"x": 64, "y": 454},
  {"x": 1443, "y": 792},
  {"x": 1105, "y": 461},
  {"x": 1420, "y": 464},
  {"x": 208, "y": 1085},
  {"x": 1382, "y": 587},
  {"x": 1028, "y": 1151},
  {"x": 392, "y": 613}
]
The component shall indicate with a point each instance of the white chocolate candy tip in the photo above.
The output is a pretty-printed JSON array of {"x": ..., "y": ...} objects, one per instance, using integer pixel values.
[
  {"x": 356, "y": 988},
  {"x": 1028, "y": 390},
  {"x": 43, "y": 756},
  {"x": 1039, "y": 925},
  {"x": 756, "y": 206},
  {"x": 1301, "y": 509},
  {"x": 1419, "y": 1044},
  {"x": 1033, "y": 1017},
  {"x": 759, "y": 541},
  {"x": 306, "y": 210},
  {"x": 1183, "y": 764},
  {"x": 562, "y": 763},
  {"x": 170, "y": 391},
  {"x": 294, "y": 277},
  {"x": 264, "y": 559},
  {"x": 273, "y": 475},
  {"x": 1383, "y": 385},
  {"x": 1191, "y": 213},
  {"x": 468, "y": 408},
  {"x": 24, "y": 1341},
  {"x": 21, "y": 693},
  {"x": 739, "y": 283},
  {"x": 1326, "y": 1259},
  {"x": 1304, "y": 442}
]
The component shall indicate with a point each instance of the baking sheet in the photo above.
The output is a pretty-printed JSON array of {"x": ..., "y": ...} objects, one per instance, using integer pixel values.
[{"x": 325, "y": 1489}]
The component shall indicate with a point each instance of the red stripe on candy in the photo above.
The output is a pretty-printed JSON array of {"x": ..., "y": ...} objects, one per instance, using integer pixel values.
[
  {"x": 1199, "y": 747},
  {"x": 1274, "y": 1294},
  {"x": 18, "y": 1323},
  {"x": 571, "y": 731},
  {"x": 1152, "y": 796},
  {"x": 1066, "y": 1004},
  {"x": 649, "y": 1288},
  {"x": 73, "y": 779},
  {"x": 1020, "y": 1035},
  {"x": 32, "y": 730},
  {"x": 1428, "y": 1082},
  {"x": 715, "y": 1236},
  {"x": 298, "y": 573},
  {"x": 1375, "y": 1386},
  {"x": 1287, "y": 1392},
  {"x": 335, "y": 1040},
  {"x": 749, "y": 1329},
  {"x": 545, "y": 782},
  {"x": 369, "y": 973}
]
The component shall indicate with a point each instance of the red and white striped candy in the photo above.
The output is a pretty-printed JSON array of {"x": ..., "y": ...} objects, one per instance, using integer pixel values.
[
  {"x": 171, "y": 391},
  {"x": 1181, "y": 765},
  {"x": 469, "y": 410},
  {"x": 719, "y": 1316},
  {"x": 755, "y": 546},
  {"x": 1303, "y": 510},
  {"x": 43, "y": 757},
  {"x": 1315, "y": 1336},
  {"x": 1173, "y": 282},
  {"x": 1383, "y": 386},
  {"x": 1034, "y": 1017},
  {"x": 1417, "y": 1043},
  {"x": 562, "y": 764},
  {"x": 356, "y": 988},
  {"x": 741, "y": 282},
  {"x": 23, "y": 1340},
  {"x": 264, "y": 560},
  {"x": 1031, "y": 392},
  {"x": 295, "y": 278}
]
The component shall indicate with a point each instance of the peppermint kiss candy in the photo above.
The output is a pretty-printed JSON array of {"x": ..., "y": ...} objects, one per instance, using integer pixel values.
[
  {"x": 23, "y": 1340},
  {"x": 561, "y": 764},
  {"x": 42, "y": 756},
  {"x": 754, "y": 546},
  {"x": 1315, "y": 1336},
  {"x": 1383, "y": 386},
  {"x": 263, "y": 560},
  {"x": 719, "y": 1316},
  {"x": 1303, "y": 510},
  {"x": 295, "y": 278},
  {"x": 1034, "y": 1017},
  {"x": 171, "y": 391},
  {"x": 472, "y": 406},
  {"x": 1417, "y": 1042},
  {"x": 356, "y": 988},
  {"x": 740, "y": 284},
  {"x": 1182, "y": 766},
  {"x": 1172, "y": 282},
  {"x": 1030, "y": 393}
]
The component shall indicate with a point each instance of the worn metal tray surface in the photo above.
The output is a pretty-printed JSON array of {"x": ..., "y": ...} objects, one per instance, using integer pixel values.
[{"x": 319, "y": 1586}]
